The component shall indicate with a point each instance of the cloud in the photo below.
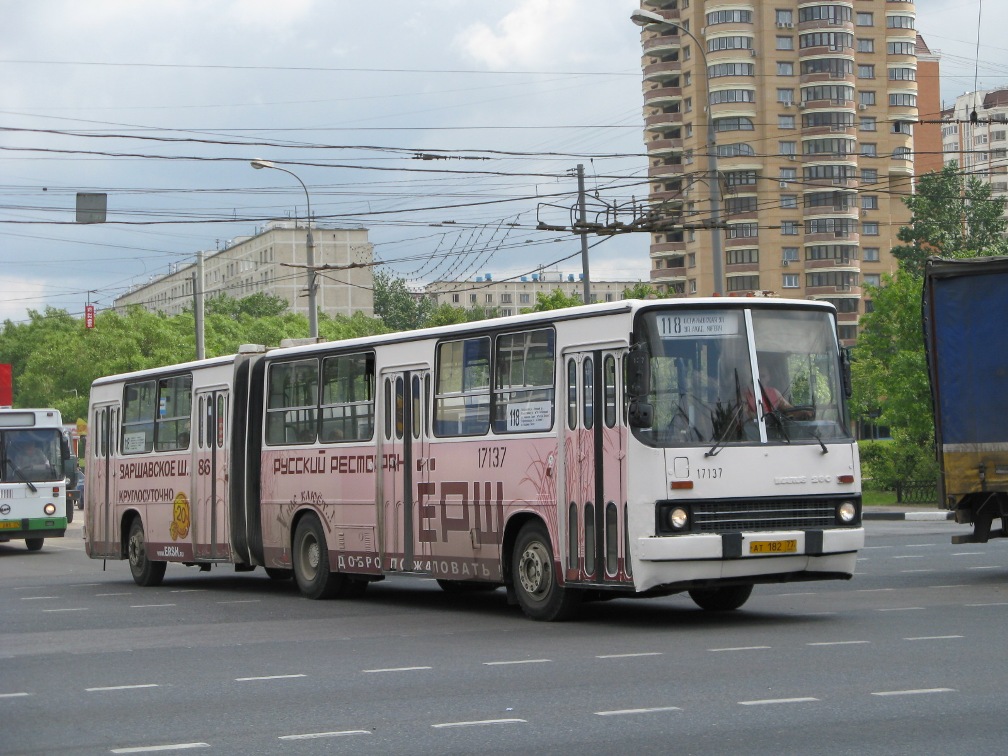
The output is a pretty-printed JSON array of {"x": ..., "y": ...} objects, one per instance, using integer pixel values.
[
  {"x": 18, "y": 295},
  {"x": 527, "y": 36}
]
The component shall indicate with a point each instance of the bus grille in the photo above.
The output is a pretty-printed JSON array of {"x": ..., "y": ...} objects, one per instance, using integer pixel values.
[{"x": 754, "y": 514}]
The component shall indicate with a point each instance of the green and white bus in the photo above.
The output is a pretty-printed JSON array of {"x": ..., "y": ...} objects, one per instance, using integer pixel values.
[{"x": 36, "y": 468}]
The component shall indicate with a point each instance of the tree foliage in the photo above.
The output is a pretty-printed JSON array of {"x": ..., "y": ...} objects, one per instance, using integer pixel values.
[
  {"x": 954, "y": 215},
  {"x": 397, "y": 307},
  {"x": 555, "y": 300},
  {"x": 641, "y": 290}
]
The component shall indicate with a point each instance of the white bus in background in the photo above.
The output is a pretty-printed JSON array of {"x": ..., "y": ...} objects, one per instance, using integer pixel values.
[
  {"x": 624, "y": 449},
  {"x": 35, "y": 469}
]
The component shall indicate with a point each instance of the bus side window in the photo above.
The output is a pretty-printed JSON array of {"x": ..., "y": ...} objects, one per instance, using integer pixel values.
[
  {"x": 572, "y": 412},
  {"x": 609, "y": 374},
  {"x": 589, "y": 392}
]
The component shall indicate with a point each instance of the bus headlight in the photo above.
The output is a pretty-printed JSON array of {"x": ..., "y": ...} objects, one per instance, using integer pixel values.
[
  {"x": 678, "y": 518},
  {"x": 846, "y": 512},
  {"x": 49, "y": 509}
]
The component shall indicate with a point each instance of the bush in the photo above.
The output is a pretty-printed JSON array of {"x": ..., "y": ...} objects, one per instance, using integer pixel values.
[{"x": 884, "y": 464}]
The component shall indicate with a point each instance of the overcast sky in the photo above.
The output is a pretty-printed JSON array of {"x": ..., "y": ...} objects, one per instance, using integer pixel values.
[{"x": 162, "y": 105}]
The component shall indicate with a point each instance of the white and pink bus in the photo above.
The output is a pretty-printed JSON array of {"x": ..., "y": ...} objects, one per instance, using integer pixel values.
[{"x": 639, "y": 447}]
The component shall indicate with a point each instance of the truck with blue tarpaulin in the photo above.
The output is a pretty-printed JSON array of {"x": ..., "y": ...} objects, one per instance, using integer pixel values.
[{"x": 965, "y": 318}]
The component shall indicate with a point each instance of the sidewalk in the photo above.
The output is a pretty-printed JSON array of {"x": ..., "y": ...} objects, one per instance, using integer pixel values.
[{"x": 906, "y": 512}]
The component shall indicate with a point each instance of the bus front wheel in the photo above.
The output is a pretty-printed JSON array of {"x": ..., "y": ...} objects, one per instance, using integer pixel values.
[
  {"x": 34, "y": 544},
  {"x": 146, "y": 572},
  {"x": 721, "y": 599},
  {"x": 534, "y": 577},
  {"x": 314, "y": 578}
]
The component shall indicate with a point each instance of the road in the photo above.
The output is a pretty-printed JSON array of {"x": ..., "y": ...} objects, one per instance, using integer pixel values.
[{"x": 902, "y": 659}]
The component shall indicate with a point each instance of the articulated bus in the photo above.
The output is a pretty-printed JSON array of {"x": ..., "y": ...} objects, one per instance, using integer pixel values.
[
  {"x": 36, "y": 468},
  {"x": 631, "y": 448}
]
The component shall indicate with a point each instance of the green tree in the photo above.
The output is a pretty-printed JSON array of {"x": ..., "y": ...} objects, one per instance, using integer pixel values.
[
  {"x": 399, "y": 309},
  {"x": 555, "y": 300},
  {"x": 954, "y": 215},
  {"x": 641, "y": 290}
]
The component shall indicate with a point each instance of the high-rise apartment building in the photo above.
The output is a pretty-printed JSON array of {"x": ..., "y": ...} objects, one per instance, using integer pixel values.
[
  {"x": 812, "y": 106},
  {"x": 979, "y": 146}
]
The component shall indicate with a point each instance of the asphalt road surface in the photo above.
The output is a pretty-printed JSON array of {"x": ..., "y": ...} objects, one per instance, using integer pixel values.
[{"x": 904, "y": 658}]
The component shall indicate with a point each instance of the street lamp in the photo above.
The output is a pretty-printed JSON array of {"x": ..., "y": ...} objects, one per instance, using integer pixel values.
[
  {"x": 312, "y": 311},
  {"x": 643, "y": 18}
]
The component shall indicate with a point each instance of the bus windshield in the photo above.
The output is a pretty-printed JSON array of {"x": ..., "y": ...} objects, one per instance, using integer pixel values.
[
  {"x": 722, "y": 376},
  {"x": 30, "y": 455}
]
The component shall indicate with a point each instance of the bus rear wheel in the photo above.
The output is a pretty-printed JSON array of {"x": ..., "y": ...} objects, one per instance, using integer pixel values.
[
  {"x": 534, "y": 578},
  {"x": 314, "y": 578},
  {"x": 146, "y": 572},
  {"x": 34, "y": 544},
  {"x": 725, "y": 599}
]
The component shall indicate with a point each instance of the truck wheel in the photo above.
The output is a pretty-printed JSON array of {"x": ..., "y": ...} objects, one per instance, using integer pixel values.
[
  {"x": 721, "y": 599},
  {"x": 34, "y": 544},
  {"x": 534, "y": 578},
  {"x": 311, "y": 561},
  {"x": 146, "y": 572}
]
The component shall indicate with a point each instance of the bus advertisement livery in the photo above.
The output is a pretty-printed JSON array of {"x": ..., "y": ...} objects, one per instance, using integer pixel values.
[
  {"x": 632, "y": 448},
  {"x": 36, "y": 468}
]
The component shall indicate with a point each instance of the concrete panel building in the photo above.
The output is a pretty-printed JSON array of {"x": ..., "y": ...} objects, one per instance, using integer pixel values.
[{"x": 979, "y": 148}]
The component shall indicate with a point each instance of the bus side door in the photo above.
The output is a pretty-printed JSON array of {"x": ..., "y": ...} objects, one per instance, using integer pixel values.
[
  {"x": 102, "y": 485},
  {"x": 211, "y": 454}
]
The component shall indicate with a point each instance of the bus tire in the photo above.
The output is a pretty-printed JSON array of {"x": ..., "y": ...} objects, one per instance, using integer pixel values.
[
  {"x": 534, "y": 577},
  {"x": 146, "y": 572},
  {"x": 279, "y": 573},
  {"x": 314, "y": 578},
  {"x": 725, "y": 599},
  {"x": 34, "y": 544}
]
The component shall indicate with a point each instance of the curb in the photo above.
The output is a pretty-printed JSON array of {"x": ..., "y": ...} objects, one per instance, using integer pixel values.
[{"x": 936, "y": 516}]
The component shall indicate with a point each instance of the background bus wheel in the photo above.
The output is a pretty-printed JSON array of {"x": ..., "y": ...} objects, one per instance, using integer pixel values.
[
  {"x": 145, "y": 571},
  {"x": 534, "y": 577},
  {"x": 311, "y": 561},
  {"x": 279, "y": 573},
  {"x": 34, "y": 544},
  {"x": 721, "y": 599}
]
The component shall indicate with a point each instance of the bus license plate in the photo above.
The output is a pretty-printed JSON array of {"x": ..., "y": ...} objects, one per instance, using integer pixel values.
[
  {"x": 789, "y": 546},
  {"x": 10, "y": 525}
]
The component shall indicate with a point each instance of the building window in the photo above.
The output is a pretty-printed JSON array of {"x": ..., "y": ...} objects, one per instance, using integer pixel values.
[
  {"x": 505, "y": 299},
  {"x": 785, "y": 96},
  {"x": 905, "y": 153},
  {"x": 901, "y": 48},
  {"x": 734, "y": 123},
  {"x": 472, "y": 299},
  {"x": 456, "y": 298},
  {"x": 742, "y": 256},
  {"x": 788, "y": 174},
  {"x": 789, "y": 201},
  {"x": 865, "y": 71},
  {"x": 719, "y": 96},
  {"x": 790, "y": 254},
  {"x": 869, "y": 202},
  {"x": 902, "y": 73},
  {"x": 870, "y": 254},
  {"x": 868, "y": 123},
  {"x": 788, "y": 148},
  {"x": 869, "y": 149},
  {"x": 790, "y": 281},
  {"x": 743, "y": 283},
  {"x": 869, "y": 175},
  {"x": 731, "y": 69},
  {"x": 524, "y": 299},
  {"x": 902, "y": 99},
  {"x": 899, "y": 22},
  {"x": 738, "y": 42},
  {"x": 785, "y": 122},
  {"x": 691, "y": 259},
  {"x": 864, "y": 19},
  {"x": 866, "y": 98},
  {"x": 742, "y": 231},
  {"x": 873, "y": 279},
  {"x": 489, "y": 298},
  {"x": 867, "y": 45},
  {"x": 784, "y": 17},
  {"x": 785, "y": 68},
  {"x": 870, "y": 229},
  {"x": 847, "y": 332},
  {"x": 789, "y": 228},
  {"x": 729, "y": 17},
  {"x": 785, "y": 43}
]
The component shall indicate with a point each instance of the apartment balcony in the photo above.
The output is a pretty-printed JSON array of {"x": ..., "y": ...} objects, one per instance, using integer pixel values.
[
  {"x": 834, "y": 263},
  {"x": 665, "y": 171},
  {"x": 828, "y": 291},
  {"x": 829, "y": 78},
  {"x": 662, "y": 146},
  {"x": 846, "y": 106},
  {"x": 833, "y": 237},
  {"x": 662, "y": 96},
  {"x": 817, "y": 131},
  {"x": 900, "y": 167},
  {"x": 813, "y": 184},
  {"x": 662, "y": 45},
  {"x": 662, "y": 121},
  {"x": 668, "y": 248},
  {"x": 662, "y": 70},
  {"x": 668, "y": 275}
]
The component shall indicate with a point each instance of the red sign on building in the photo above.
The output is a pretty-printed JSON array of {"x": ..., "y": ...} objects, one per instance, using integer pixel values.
[
  {"x": 6, "y": 386},
  {"x": 89, "y": 316}
]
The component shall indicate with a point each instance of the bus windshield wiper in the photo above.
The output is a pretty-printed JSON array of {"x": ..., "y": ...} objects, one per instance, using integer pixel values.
[
  {"x": 773, "y": 412},
  {"x": 17, "y": 471},
  {"x": 719, "y": 441}
]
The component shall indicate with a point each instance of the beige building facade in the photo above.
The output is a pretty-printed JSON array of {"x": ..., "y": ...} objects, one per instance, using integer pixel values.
[
  {"x": 980, "y": 149},
  {"x": 273, "y": 262},
  {"x": 812, "y": 105}
]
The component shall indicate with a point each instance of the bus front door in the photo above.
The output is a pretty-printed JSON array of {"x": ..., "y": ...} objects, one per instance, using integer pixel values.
[
  {"x": 594, "y": 461},
  {"x": 210, "y": 451},
  {"x": 102, "y": 485},
  {"x": 403, "y": 464}
]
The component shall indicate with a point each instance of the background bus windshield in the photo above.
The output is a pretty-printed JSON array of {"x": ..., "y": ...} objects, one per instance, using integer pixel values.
[{"x": 30, "y": 455}]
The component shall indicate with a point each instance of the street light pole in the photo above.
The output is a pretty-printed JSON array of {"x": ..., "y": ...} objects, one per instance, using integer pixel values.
[
  {"x": 643, "y": 18},
  {"x": 312, "y": 309}
]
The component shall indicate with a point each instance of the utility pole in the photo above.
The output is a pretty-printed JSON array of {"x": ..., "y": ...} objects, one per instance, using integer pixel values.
[
  {"x": 583, "y": 222},
  {"x": 198, "y": 306}
]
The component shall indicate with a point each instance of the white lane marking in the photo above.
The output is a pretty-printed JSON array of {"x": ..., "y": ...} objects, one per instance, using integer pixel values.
[
  {"x": 38, "y": 598},
  {"x": 770, "y": 701},
  {"x": 909, "y": 556},
  {"x": 906, "y": 572},
  {"x": 933, "y": 637},
  {"x": 902, "y": 609},
  {"x": 873, "y": 590},
  {"x": 395, "y": 669},
  {"x": 969, "y": 553},
  {"x": 866, "y": 548},
  {"x": 124, "y": 593},
  {"x": 151, "y": 749},
  {"x": 740, "y": 648},
  {"x": 917, "y": 692},
  {"x": 315, "y": 735},
  {"x": 838, "y": 643},
  {"x": 959, "y": 585},
  {"x": 517, "y": 661},
  {"x": 267, "y": 677},
  {"x": 149, "y": 606},
  {"x": 478, "y": 723},
  {"x": 241, "y": 601},
  {"x": 997, "y": 603},
  {"x": 918, "y": 545},
  {"x": 67, "y": 609},
  {"x": 187, "y": 590},
  {"x": 119, "y": 687},
  {"x": 625, "y": 712},
  {"x": 629, "y": 656},
  {"x": 795, "y": 593},
  {"x": 987, "y": 567},
  {"x": 14, "y": 695},
  {"x": 82, "y": 585}
]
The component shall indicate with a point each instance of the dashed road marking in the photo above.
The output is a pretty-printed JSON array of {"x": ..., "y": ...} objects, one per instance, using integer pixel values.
[
  {"x": 772, "y": 701},
  {"x": 740, "y": 648},
  {"x": 120, "y": 687},
  {"x": 517, "y": 661},
  {"x": 628, "y": 656},
  {"x": 478, "y": 723},
  {"x": 316, "y": 735},
  {"x": 395, "y": 669},
  {"x": 838, "y": 643},
  {"x": 169, "y": 747},
  {"x": 933, "y": 637},
  {"x": 268, "y": 677},
  {"x": 913, "y": 692}
]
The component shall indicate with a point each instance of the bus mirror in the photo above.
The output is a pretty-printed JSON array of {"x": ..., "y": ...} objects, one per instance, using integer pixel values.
[
  {"x": 845, "y": 372},
  {"x": 640, "y": 414},
  {"x": 70, "y": 472},
  {"x": 638, "y": 374}
]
